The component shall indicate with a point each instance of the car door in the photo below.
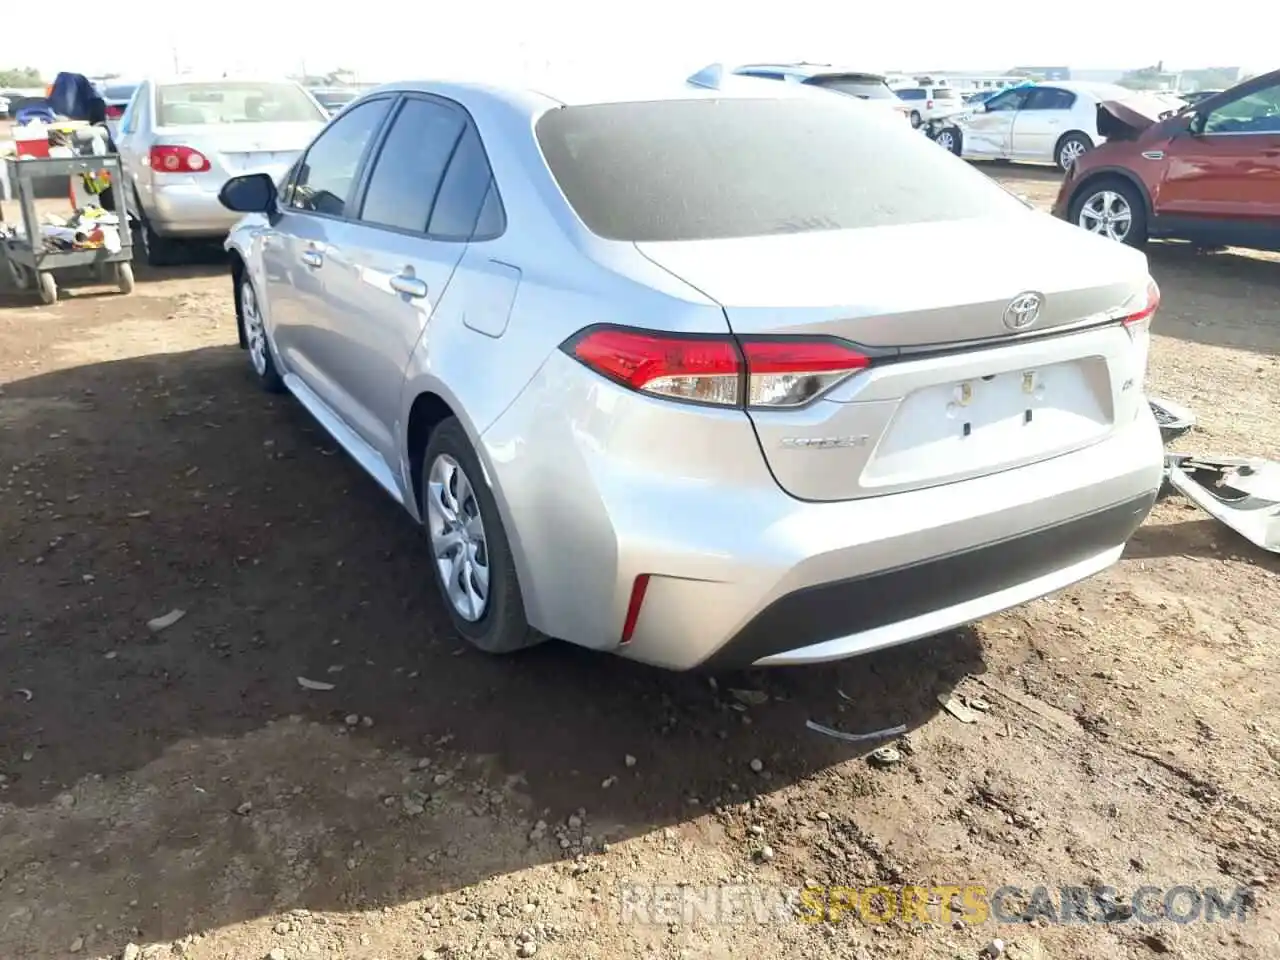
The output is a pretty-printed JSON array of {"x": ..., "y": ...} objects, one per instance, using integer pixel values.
[
  {"x": 1223, "y": 174},
  {"x": 1043, "y": 118},
  {"x": 987, "y": 133},
  {"x": 387, "y": 269},
  {"x": 314, "y": 204}
]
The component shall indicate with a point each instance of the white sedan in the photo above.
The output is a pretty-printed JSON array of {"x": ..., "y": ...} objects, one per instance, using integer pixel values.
[{"x": 1040, "y": 122}]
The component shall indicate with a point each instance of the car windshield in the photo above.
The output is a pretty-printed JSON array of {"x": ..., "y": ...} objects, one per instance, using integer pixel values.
[
  {"x": 184, "y": 104},
  {"x": 865, "y": 88},
  {"x": 715, "y": 169}
]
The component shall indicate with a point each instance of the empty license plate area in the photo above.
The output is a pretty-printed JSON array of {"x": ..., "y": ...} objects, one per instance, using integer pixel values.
[
  {"x": 258, "y": 162},
  {"x": 983, "y": 424}
]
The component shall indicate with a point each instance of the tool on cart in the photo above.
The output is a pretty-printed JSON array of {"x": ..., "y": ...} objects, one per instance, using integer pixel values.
[{"x": 94, "y": 236}]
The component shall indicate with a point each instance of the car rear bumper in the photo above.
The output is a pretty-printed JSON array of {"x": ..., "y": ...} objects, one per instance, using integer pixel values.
[
  {"x": 843, "y": 618},
  {"x": 189, "y": 210},
  {"x": 740, "y": 573}
]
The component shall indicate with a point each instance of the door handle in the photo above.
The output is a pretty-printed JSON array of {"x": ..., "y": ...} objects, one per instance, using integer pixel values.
[
  {"x": 312, "y": 258},
  {"x": 409, "y": 286}
]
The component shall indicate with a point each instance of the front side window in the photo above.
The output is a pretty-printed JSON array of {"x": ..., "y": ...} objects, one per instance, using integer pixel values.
[
  {"x": 198, "y": 104},
  {"x": 715, "y": 169},
  {"x": 327, "y": 172},
  {"x": 1257, "y": 112},
  {"x": 1009, "y": 100}
]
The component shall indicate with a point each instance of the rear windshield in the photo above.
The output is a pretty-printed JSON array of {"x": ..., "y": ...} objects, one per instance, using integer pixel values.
[
  {"x": 713, "y": 169},
  {"x": 185, "y": 104},
  {"x": 867, "y": 88}
]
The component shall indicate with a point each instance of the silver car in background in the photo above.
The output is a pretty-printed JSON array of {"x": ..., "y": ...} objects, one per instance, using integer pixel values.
[
  {"x": 181, "y": 139},
  {"x": 655, "y": 369}
]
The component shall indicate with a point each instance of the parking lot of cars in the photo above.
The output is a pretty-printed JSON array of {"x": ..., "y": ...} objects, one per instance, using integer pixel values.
[{"x": 238, "y": 720}]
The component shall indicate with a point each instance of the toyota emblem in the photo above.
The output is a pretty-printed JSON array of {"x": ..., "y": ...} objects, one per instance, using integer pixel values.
[{"x": 1023, "y": 311}]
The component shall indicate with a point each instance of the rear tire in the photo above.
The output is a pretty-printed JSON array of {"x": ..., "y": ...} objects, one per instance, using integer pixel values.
[
  {"x": 160, "y": 251},
  {"x": 916, "y": 119},
  {"x": 1070, "y": 148},
  {"x": 462, "y": 521}
]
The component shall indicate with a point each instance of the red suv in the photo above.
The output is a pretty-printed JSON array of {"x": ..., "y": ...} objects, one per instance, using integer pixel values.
[{"x": 1209, "y": 174}]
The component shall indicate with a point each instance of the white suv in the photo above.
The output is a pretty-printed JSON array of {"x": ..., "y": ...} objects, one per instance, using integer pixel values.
[{"x": 930, "y": 103}]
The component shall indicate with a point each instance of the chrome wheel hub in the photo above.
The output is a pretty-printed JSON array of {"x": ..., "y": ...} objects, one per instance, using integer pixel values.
[
  {"x": 254, "y": 331},
  {"x": 1072, "y": 151},
  {"x": 458, "y": 537},
  {"x": 1107, "y": 213},
  {"x": 946, "y": 140}
]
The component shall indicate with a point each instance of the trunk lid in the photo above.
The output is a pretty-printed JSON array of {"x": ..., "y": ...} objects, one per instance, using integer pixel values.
[
  {"x": 1126, "y": 119},
  {"x": 961, "y": 394},
  {"x": 239, "y": 148}
]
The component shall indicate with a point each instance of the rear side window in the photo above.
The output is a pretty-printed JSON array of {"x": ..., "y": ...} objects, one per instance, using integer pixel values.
[
  {"x": 467, "y": 205},
  {"x": 411, "y": 164},
  {"x": 911, "y": 94},
  {"x": 1049, "y": 98},
  {"x": 710, "y": 169}
]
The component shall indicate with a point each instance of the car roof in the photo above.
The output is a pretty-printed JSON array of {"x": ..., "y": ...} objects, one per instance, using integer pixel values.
[
  {"x": 589, "y": 90},
  {"x": 805, "y": 69}
]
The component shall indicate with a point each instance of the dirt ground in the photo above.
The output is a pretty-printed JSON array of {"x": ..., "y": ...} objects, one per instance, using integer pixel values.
[{"x": 180, "y": 793}]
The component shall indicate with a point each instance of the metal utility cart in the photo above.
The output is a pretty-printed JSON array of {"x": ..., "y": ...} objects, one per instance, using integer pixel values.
[{"x": 31, "y": 262}]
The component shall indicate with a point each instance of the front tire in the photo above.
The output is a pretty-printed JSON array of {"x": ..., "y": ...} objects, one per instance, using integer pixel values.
[
  {"x": 470, "y": 555},
  {"x": 253, "y": 329},
  {"x": 1112, "y": 208},
  {"x": 949, "y": 139}
]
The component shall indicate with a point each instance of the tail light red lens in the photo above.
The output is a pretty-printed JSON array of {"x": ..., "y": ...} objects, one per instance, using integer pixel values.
[
  {"x": 1144, "y": 316},
  {"x": 175, "y": 159},
  {"x": 114, "y": 112},
  {"x": 770, "y": 373}
]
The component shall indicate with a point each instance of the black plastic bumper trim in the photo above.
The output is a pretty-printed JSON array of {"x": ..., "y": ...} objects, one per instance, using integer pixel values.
[{"x": 845, "y": 607}]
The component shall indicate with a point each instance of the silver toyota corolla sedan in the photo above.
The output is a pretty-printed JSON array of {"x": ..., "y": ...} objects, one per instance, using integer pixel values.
[
  {"x": 658, "y": 376},
  {"x": 181, "y": 139}
]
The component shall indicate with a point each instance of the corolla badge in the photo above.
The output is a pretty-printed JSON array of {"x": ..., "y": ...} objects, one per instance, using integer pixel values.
[{"x": 1023, "y": 311}]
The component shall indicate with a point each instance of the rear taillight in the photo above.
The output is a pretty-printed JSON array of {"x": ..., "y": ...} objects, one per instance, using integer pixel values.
[
  {"x": 768, "y": 372},
  {"x": 173, "y": 159},
  {"x": 114, "y": 112},
  {"x": 928, "y": 104},
  {"x": 1142, "y": 317}
]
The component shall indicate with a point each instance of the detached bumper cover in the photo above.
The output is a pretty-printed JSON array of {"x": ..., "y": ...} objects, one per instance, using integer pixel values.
[{"x": 846, "y": 608}]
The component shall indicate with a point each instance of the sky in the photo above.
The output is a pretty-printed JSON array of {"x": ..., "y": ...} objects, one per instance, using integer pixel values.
[{"x": 501, "y": 40}]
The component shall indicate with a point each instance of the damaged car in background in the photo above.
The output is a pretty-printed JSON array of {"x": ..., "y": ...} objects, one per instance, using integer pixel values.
[{"x": 1209, "y": 174}]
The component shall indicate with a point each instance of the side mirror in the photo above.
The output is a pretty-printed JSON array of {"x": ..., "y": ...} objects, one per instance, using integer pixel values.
[{"x": 250, "y": 193}]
